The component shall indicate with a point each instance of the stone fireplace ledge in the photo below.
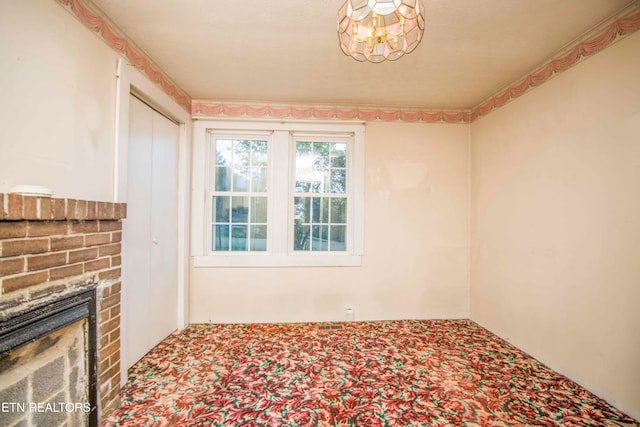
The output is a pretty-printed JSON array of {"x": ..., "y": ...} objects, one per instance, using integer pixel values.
[{"x": 17, "y": 303}]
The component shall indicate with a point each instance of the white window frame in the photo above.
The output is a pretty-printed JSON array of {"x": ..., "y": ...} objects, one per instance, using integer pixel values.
[
  {"x": 281, "y": 188},
  {"x": 211, "y": 134},
  {"x": 320, "y": 137}
]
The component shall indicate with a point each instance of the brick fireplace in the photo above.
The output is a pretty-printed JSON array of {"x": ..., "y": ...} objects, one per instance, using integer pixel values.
[{"x": 53, "y": 251}]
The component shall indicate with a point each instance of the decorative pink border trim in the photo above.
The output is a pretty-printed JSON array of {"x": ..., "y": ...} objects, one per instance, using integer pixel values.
[
  {"x": 203, "y": 108},
  {"x": 99, "y": 25},
  {"x": 583, "y": 49}
]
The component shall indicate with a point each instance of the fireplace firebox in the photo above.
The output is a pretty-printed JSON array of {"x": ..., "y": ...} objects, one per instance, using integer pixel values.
[{"x": 48, "y": 358}]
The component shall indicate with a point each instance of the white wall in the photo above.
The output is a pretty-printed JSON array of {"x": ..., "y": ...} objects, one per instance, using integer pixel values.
[
  {"x": 57, "y": 109},
  {"x": 416, "y": 244},
  {"x": 556, "y": 223}
]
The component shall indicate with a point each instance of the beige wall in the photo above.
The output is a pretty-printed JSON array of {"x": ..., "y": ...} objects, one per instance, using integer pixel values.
[
  {"x": 57, "y": 110},
  {"x": 556, "y": 223},
  {"x": 416, "y": 244}
]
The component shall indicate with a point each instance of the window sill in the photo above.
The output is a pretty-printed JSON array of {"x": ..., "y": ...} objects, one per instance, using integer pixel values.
[{"x": 243, "y": 260}]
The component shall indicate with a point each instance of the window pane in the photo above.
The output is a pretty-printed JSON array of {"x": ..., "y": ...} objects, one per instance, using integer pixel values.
[
  {"x": 220, "y": 238},
  {"x": 302, "y": 209},
  {"x": 258, "y": 237},
  {"x": 301, "y": 236},
  {"x": 258, "y": 180},
  {"x": 312, "y": 167},
  {"x": 302, "y": 186},
  {"x": 238, "y": 237},
  {"x": 338, "y": 238},
  {"x": 321, "y": 156},
  {"x": 320, "y": 238},
  {"x": 328, "y": 224},
  {"x": 223, "y": 179},
  {"x": 241, "y": 178},
  {"x": 320, "y": 209},
  {"x": 339, "y": 155},
  {"x": 239, "y": 209},
  {"x": 303, "y": 149},
  {"x": 259, "y": 210},
  {"x": 322, "y": 185},
  {"x": 235, "y": 236},
  {"x": 338, "y": 181},
  {"x": 223, "y": 152},
  {"x": 241, "y": 151},
  {"x": 220, "y": 209},
  {"x": 338, "y": 210},
  {"x": 304, "y": 167},
  {"x": 321, "y": 167},
  {"x": 259, "y": 153}
]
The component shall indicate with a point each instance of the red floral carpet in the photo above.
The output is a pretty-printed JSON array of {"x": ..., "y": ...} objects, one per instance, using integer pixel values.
[{"x": 395, "y": 373}]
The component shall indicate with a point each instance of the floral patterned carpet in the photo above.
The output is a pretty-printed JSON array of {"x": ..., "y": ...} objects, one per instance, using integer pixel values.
[{"x": 392, "y": 373}]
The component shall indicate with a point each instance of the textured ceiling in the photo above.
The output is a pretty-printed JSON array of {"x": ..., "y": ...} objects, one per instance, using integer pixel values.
[{"x": 286, "y": 51}]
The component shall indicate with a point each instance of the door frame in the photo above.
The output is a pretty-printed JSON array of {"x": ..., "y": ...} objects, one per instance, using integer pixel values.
[{"x": 128, "y": 80}]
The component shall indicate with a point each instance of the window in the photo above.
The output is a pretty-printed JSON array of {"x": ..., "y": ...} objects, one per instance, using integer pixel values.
[
  {"x": 320, "y": 200},
  {"x": 239, "y": 197},
  {"x": 277, "y": 194}
]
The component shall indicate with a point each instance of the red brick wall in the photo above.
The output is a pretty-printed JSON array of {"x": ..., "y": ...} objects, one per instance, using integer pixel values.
[{"x": 48, "y": 245}]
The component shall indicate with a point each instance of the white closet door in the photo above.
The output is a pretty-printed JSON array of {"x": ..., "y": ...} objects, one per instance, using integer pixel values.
[
  {"x": 150, "y": 231},
  {"x": 164, "y": 228}
]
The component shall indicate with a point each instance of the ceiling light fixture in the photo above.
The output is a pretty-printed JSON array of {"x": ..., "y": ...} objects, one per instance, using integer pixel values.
[{"x": 376, "y": 30}]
